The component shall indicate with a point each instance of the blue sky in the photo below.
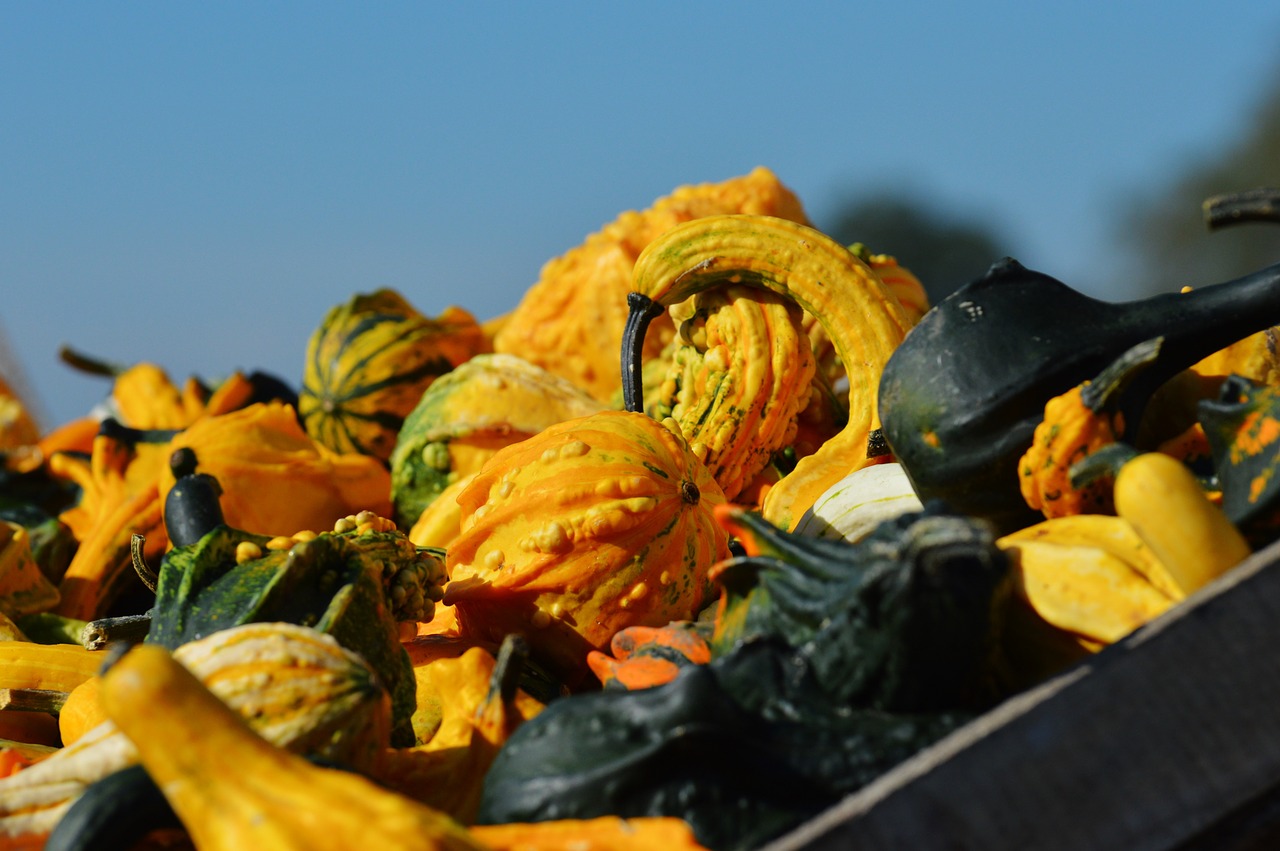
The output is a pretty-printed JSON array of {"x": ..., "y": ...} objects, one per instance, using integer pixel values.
[{"x": 196, "y": 184}]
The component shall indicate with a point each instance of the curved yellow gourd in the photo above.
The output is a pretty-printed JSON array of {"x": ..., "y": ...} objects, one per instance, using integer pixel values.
[{"x": 862, "y": 317}]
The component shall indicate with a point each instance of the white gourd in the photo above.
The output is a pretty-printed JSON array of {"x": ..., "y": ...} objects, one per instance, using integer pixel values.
[{"x": 855, "y": 505}]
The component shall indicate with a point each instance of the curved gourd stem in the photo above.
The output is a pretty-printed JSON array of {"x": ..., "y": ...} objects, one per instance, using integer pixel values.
[
  {"x": 863, "y": 319},
  {"x": 643, "y": 310},
  {"x": 1254, "y": 205}
]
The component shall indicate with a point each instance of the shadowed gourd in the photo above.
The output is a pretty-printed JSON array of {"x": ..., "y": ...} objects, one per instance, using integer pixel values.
[{"x": 960, "y": 398}]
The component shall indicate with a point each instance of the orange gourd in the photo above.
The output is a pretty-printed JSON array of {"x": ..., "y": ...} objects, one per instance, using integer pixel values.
[{"x": 589, "y": 527}]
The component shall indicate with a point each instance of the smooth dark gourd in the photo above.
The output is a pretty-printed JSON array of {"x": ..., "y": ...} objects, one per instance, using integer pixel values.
[
  {"x": 192, "y": 507},
  {"x": 961, "y": 396}
]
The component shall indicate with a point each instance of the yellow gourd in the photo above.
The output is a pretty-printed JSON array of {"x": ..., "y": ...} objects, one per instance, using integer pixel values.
[
  {"x": 863, "y": 319},
  {"x": 233, "y": 790}
]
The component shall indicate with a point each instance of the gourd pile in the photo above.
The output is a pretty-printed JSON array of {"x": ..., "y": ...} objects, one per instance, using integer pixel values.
[{"x": 722, "y": 521}]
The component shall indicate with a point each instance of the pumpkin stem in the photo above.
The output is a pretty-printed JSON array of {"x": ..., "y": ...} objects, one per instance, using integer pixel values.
[
  {"x": 689, "y": 492},
  {"x": 641, "y": 311},
  {"x": 1251, "y": 205}
]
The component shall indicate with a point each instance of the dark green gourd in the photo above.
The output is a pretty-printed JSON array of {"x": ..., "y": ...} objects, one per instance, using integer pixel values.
[
  {"x": 961, "y": 396},
  {"x": 832, "y": 663}
]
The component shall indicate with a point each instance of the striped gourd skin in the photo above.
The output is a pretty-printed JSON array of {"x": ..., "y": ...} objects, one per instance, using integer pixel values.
[
  {"x": 462, "y": 419},
  {"x": 591, "y": 526},
  {"x": 49, "y": 667},
  {"x": 296, "y": 687},
  {"x": 368, "y": 363},
  {"x": 739, "y": 380}
]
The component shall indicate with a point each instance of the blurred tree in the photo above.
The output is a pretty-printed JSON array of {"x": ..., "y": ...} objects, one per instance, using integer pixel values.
[
  {"x": 1165, "y": 235},
  {"x": 943, "y": 251}
]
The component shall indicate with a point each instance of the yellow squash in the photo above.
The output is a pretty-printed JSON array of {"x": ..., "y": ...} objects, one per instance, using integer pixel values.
[{"x": 234, "y": 790}]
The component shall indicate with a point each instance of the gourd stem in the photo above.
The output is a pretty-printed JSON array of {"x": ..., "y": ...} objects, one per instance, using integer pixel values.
[
  {"x": 140, "y": 566},
  {"x": 121, "y": 433},
  {"x": 1104, "y": 462},
  {"x": 1106, "y": 390},
  {"x": 89, "y": 364},
  {"x": 1253, "y": 205},
  {"x": 641, "y": 311},
  {"x": 127, "y": 629},
  {"x": 509, "y": 667}
]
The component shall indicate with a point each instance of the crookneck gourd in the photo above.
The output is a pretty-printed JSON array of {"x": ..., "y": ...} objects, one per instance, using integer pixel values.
[
  {"x": 233, "y": 789},
  {"x": 571, "y": 321},
  {"x": 863, "y": 319},
  {"x": 588, "y": 527},
  {"x": 1168, "y": 507},
  {"x": 738, "y": 379},
  {"x": 961, "y": 397},
  {"x": 369, "y": 361},
  {"x": 897, "y": 279},
  {"x": 465, "y": 416},
  {"x": 294, "y": 686}
]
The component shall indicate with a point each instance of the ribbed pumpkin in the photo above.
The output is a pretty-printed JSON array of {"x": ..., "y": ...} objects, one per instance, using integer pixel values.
[
  {"x": 590, "y": 526},
  {"x": 368, "y": 363}
]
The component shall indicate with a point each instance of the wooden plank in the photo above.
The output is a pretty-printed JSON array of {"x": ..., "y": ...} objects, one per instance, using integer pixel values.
[{"x": 1148, "y": 746}]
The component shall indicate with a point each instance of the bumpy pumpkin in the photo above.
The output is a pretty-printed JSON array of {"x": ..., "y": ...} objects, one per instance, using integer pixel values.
[
  {"x": 591, "y": 526},
  {"x": 570, "y": 322},
  {"x": 464, "y": 417},
  {"x": 368, "y": 363}
]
